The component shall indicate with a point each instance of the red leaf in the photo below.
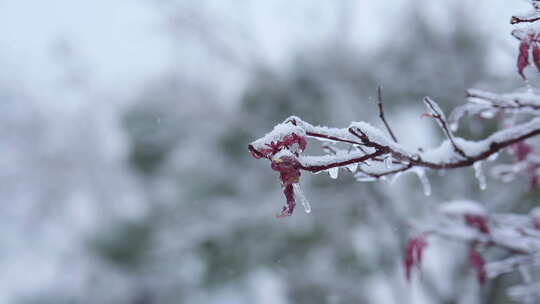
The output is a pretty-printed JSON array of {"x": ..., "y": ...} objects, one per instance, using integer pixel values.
[
  {"x": 536, "y": 55},
  {"x": 477, "y": 221},
  {"x": 413, "y": 254},
  {"x": 275, "y": 146},
  {"x": 523, "y": 58},
  {"x": 288, "y": 168},
  {"x": 477, "y": 262},
  {"x": 289, "y": 207},
  {"x": 289, "y": 173}
]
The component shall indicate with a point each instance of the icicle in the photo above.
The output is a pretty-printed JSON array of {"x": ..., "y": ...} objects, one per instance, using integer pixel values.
[
  {"x": 493, "y": 157},
  {"x": 333, "y": 172},
  {"x": 300, "y": 195},
  {"x": 352, "y": 167},
  {"x": 362, "y": 177},
  {"x": 421, "y": 173},
  {"x": 388, "y": 162},
  {"x": 479, "y": 174}
]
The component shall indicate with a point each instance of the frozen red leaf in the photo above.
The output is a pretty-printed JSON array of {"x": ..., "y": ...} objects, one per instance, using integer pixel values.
[
  {"x": 288, "y": 168},
  {"x": 289, "y": 173},
  {"x": 477, "y": 221},
  {"x": 413, "y": 254},
  {"x": 536, "y": 55},
  {"x": 289, "y": 207},
  {"x": 272, "y": 148},
  {"x": 523, "y": 58},
  {"x": 478, "y": 264}
]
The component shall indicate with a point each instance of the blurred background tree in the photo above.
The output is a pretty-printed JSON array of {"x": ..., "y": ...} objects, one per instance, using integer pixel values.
[{"x": 203, "y": 229}]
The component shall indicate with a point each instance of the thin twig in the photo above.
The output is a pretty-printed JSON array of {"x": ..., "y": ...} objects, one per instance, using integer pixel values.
[
  {"x": 444, "y": 125},
  {"x": 516, "y": 20},
  {"x": 381, "y": 113}
]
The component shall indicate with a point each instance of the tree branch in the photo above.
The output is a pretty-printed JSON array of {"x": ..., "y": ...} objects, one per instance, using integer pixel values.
[{"x": 381, "y": 113}]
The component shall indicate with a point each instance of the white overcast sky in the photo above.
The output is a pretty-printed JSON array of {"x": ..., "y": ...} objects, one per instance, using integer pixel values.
[{"x": 124, "y": 43}]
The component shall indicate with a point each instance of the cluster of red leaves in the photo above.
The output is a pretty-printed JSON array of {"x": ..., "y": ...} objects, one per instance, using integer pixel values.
[
  {"x": 413, "y": 253},
  {"x": 478, "y": 264},
  {"x": 289, "y": 173},
  {"x": 531, "y": 41},
  {"x": 477, "y": 221},
  {"x": 287, "y": 166},
  {"x": 415, "y": 250},
  {"x": 286, "y": 142}
]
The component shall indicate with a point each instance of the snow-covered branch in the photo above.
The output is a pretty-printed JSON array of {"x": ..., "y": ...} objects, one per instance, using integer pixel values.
[
  {"x": 373, "y": 155},
  {"x": 468, "y": 222}
]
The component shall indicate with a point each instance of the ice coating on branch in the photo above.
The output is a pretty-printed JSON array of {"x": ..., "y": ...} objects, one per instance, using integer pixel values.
[
  {"x": 513, "y": 132},
  {"x": 378, "y": 136},
  {"x": 324, "y": 131},
  {"x": 277, "y": 134},
  {"x": 421, "y": 173},
  {"x": 300, "y": 195},
  {"x": 333, "y": 172},
  {"x": 324, "y": 160},
  {"x": 388, "y": 162},
  {"x": 479, "y": 174},
  {"x": 436, "y": 112},
  {"x": 486, "y": 104},
  {"x": 352, "y": 167},
  {"x": 493, "y": 157}
]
